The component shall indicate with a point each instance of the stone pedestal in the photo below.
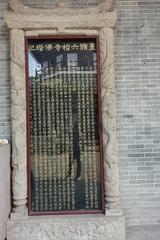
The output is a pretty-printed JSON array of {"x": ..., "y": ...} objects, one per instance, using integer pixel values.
[{"x": 79, "y": 227}]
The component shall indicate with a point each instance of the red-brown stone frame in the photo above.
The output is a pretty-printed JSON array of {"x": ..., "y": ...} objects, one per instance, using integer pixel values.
[{"x": 66, "y": 37}]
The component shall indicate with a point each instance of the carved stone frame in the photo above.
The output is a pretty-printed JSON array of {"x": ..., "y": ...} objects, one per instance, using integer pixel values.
[{"x": 25, "y": 21}]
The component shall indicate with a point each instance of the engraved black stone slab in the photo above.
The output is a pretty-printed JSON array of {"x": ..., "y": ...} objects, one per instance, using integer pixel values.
[{"x": 65, "y": 167}]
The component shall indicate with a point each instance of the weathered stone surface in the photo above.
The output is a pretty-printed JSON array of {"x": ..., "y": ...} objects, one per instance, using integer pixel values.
[
  {"x": 51, "y": 32},
  {"x": 17, "y": 10},
  {"x": 30, "y": 22},
  {"x": 23, "y": 17},
  {"x": 108, "y": 95},
  {"x": 67, "y": 228},
  {"x": 18, "y": 115}
]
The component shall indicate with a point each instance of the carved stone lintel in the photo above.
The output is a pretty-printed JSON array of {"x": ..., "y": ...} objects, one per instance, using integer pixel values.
[
  {"x": 111, "y": 175},
  {"x": 18, "y": 115},
  {"x": 26, "y": 18},
  {"x": 103, "y": 6}
]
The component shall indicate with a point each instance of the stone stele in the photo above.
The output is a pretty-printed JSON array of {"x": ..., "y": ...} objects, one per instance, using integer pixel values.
[{"x": 25, "y": 21}]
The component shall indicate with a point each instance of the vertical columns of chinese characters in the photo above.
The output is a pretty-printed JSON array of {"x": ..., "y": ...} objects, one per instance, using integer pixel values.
[
  {"x": 57, "y": 87},
  {"x": 93, "y": 139},
  {"x": 49, "y": 143},
  {"x": 63, "y": 173},
  {"x": 89, "y": 155},
  {"x": 40, "y": 141},
  {"x": 31, "y": 129},
  {"x": 84, "y": 142},
  {"x": 32, "y": 133},
  {"x": 54, "y": 139},
  {"x": 71, "y": 162},
  {"x": 67, "y": 142},
  {"x": 34, "y": 158},
  {"x": 33, "y": 144},
  {"x": 45, "y": 144},
  {"x": 111, "y": 165},
  {"x": 43, "y": 99},
  {"x": 78, "y": 90}
]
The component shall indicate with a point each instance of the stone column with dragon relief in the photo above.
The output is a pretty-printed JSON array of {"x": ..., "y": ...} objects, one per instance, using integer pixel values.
[
  {"x": 111, "y": 165},
  {"x": 18, "y": 116}
]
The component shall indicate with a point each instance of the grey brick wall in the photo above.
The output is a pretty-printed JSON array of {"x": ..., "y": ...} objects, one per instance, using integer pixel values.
[{"x": 137, "y": 52}]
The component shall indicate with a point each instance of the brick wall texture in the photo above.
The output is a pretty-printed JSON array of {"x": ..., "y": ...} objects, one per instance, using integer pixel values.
[{"x": 137, "y": 65}]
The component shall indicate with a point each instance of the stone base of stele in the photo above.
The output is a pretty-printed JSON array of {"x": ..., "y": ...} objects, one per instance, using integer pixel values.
[{"x": 110, "y": 226}]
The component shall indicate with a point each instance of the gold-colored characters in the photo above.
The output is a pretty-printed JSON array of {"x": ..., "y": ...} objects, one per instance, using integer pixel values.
[
  {"x": 63, "y": 47},
  {"x": 65, "y": 163}
]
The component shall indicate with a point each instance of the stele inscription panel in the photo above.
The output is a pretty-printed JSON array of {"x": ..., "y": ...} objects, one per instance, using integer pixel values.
[{"x": 64, "y": 131}]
